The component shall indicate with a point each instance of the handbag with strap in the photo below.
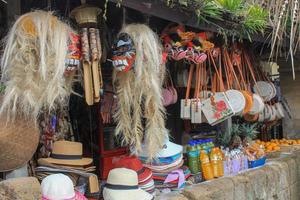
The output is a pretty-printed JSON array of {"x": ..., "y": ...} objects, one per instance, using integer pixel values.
[
  {"x": 196, "y": 114},
  {"x": 185, "y": 106},
  {"x": 217, "y": 108}
]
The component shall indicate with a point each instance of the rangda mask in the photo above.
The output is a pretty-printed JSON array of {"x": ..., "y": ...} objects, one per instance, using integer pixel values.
[
  {"x": 74, "y": 53},
  {"x": 123, "y": 53}
]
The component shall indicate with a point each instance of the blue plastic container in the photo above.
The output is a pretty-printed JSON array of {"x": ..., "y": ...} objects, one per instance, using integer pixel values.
[{"x": 257, "y": 163}]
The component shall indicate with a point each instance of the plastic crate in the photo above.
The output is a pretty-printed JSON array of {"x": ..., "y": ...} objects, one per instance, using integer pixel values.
[{"x": 257, "y": 163}]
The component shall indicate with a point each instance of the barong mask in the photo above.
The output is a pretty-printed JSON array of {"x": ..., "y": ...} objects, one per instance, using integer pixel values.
[{"x": 123, "y": 53}]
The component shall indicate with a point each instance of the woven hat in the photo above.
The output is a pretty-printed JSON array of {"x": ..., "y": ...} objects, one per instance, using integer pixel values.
[
  {"x": 59, "y": 186},
  {"x": 20, "y": 188},
  {"x": 122, "y": 184},
  {"x": 67, "y": 153},
  {"x": 18, "y": 143},
  {"x": 132, "y": 162},
  {"x": 85, "y": 14}
]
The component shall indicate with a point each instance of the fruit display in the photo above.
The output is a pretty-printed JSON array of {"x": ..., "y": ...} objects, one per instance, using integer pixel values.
[
  {"x": 276, "y": 144},
  {"x": 254, "y": 151}
]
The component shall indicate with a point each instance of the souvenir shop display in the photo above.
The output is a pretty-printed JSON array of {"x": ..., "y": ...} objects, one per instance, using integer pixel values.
[
  {"x": 140, "y": 113},
  {"x": 145, "y": 175},
  {"x": 122, "y": 184},
  {"x": 168, "y": 170},
  {"x": 86, "y": 16},
  {"x": 36, "y": 78},
  {"x": 59, "y": 186},
  {"x": 66, "y": 157},
  {"x": 128, "y": 86}
]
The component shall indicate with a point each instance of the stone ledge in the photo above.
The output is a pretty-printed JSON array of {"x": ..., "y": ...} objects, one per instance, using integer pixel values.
[
  {"x": 222, "y": 188},
  {"x": 278, "y": 179}
]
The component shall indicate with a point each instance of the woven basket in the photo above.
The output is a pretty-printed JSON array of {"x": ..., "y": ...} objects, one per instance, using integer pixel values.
[
  {"x": 85, "y": 14},
  {"x": 20, "y": 188},
  {"x": 18, "y": 143}
]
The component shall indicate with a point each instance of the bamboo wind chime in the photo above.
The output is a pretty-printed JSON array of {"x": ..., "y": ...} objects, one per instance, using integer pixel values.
[{"x": 86, "y": 17}]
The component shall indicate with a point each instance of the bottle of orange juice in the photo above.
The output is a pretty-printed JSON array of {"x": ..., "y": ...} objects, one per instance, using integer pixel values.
[
  {"x": 207, "y": 171},
  {"x": 214, "y": 159},
  {"x": 220, "y": 162}
]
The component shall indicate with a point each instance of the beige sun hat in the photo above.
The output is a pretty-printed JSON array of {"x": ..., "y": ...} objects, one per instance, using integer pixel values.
[
  {"x": 18, "y": 143},
  {"x": 67, "y": 153},
  {"x": 122, "y": 184}
]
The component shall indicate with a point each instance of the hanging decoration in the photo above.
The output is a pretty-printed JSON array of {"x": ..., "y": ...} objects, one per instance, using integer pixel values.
[
  {"x": 38, "y": 54},
  {"x": 140, "y": 114},
  {"x": 285, "y": 22},
  {"x": 86, "y": 17}
]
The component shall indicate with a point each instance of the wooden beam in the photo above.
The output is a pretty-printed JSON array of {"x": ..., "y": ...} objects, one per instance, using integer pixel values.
[{"x": 158, "y": 9}]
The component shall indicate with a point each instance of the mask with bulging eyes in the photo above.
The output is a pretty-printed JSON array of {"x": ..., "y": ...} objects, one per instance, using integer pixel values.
[
  {"x": 123, "y": 53},
  {"x": 72, "y": 61}
]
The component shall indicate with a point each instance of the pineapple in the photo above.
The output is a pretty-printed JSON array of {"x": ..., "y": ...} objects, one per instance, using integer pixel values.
[{"x": 248, "y": 132}]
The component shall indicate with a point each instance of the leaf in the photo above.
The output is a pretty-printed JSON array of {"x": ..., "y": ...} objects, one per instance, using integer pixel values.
[{"x": 183, "y": 2}]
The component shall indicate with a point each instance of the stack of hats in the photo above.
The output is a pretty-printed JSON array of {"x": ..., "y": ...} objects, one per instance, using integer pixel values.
[
  {"x": 145, "y": 176},
  {"x": 122, "y": 184},
  {"x": 168, "y": 170},
  {"x": 66, "y": 158}
]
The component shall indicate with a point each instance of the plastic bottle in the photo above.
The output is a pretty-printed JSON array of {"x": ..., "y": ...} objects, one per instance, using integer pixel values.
[
  {"x": 193, "y": 156},
  {"x": 198, "y": 142},
  {"x": 211, "y": 144},
  {"x": 205, "y": 146},
  {"x": 207, "y": 171},
  {"x": 215, "y": 162},
  {"x": 220, "y": 162}
]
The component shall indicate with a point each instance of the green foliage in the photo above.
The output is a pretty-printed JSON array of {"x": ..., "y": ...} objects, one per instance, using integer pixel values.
[
  {"x": 232, "y": 6},
  {"x": 248, "y": 130},
  {"x": 241, "y": 19},
  {"x": 255, "y": 20},
  {"x": 208, "y": 10}
]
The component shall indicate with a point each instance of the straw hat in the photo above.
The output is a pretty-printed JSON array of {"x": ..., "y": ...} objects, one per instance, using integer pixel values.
[
  {"x": 67, "y": 153},
  {"x": 59, "y": 186},
  {"x": 20, "y": 188},
  {"x": 85, "y": 14},
  {"x": 122, "y": 184},
  {"x": 18, "y": 143}
]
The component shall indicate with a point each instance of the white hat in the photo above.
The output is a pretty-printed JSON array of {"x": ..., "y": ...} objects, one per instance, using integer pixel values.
[
  {"x": 169, "y": 149},
  {"x": 57, "y": 186},
  {"x": 122, "y": 184}
]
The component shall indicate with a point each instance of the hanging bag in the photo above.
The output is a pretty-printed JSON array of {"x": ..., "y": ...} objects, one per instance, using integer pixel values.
[
  {"x": 185, "y": 111},
  {"x": 216, "y": 108},
  {"x": 196, "y": 114}
]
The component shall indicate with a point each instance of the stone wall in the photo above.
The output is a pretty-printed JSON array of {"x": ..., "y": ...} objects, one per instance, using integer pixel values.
[
  {"x": 278, "y": 179},
  {"x": 291, "y": 91}
]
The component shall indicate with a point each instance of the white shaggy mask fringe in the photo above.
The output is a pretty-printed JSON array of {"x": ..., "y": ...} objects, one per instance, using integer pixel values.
[
  {"x": 139, "y": 95},
  {"x": 33, "y": 65}
]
